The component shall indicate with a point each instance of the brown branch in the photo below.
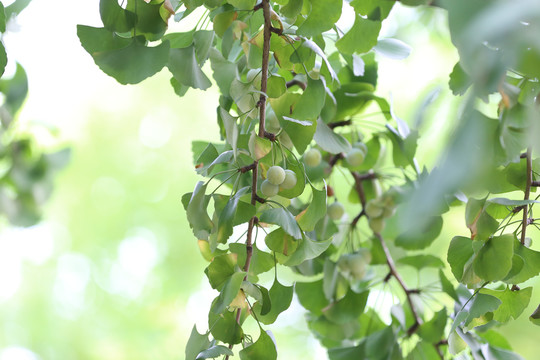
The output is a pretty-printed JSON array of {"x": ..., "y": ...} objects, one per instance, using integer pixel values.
[
  {"x": 262, "y": 133},
  {"x": 527, "y": 194},
  {"x": 247, "y": 168},
  {"x": 336, "y": 124},
  {"x": 408, "y": 292},
  {"x": 535, "y": 183},
  {"x": 296, "y": 82},
  {"x": 334, "y": 159}
]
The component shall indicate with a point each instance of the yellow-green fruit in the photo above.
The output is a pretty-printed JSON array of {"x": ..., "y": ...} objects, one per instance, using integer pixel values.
[
  {"x": 275, "y": 175},
  {"x": 290, "y": 180},
  {"x": 389, "y": 211},
  {"x": 376, "y": 224},
  {"x": 268, "y": 189},
  {"x": 355, "y": 157},
  {"x": 312, "y": 157},
  {"x": 360, "y": 145},
  {"x": 374, "y": 209},
  {"x": 336, "y": 210},
  {"x": 344, "y": 265}
]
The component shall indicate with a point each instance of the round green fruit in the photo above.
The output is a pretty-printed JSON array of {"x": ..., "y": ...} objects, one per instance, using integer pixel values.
[
  {"x": 355, "y": 157},
  {"x": 290, "y": 180},
  {"x": 361, "y": 146},
  {"x": 312, "y": 157},
  {"x": 336, "y": 210},
  {"x": 376, "y": 224},
  {"x": 275, "y": 175},
  {"x": 374, "y": 209},
  {"x": 268, "y": 189},
  {"x": 389, "y": 211}
]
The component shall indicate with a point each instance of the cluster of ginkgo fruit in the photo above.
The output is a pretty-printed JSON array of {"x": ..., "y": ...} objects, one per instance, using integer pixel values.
[{"x": 277, "y": 178}]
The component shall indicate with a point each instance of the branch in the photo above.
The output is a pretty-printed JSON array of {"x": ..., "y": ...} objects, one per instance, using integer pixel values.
[
  {"x": 262, "y": 133},
  {"x": 408, "y": 292},
  {"x": 358, "y": 178},
  {"x": 294, "y": 82},
  {"x": 527, "y": 194},
  {"x": 336, "y": 124}
]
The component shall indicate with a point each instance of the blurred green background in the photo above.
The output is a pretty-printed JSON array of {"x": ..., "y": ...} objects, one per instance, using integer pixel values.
[{"x": 113, "y": 271}]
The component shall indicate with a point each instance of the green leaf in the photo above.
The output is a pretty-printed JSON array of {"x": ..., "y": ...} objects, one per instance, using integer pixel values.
[
  {"x": 494, "y": 260},
  {"x": 317, "y": 50},
  {"x": 242, "y": 4},
  {"x": 14, "y": 90},
  {"x": 311, "y": 102},
  {"x": 281, "y": 242},
  {"x": 311, "y": 296},
  {"x": 369, "y": 7},
  {"x": 261, "y": 146},
  {"x": 459, "y": 253},
  {"x": 180, "y": 39},
  {"x": 481, "y": 305},
  {"x": 330, "y": 141},
  {"x": 315, "y": 210},
  {"x": 423, "y": 351},
  {"x": 280, "y": 298},
  {"x": 418, "y": 238},
  {"x": 149, "y": 21},
  {"x": 276, "y": 86},
  {"x": 283, "y": 218},
  {"x": 433, "y": 330},
  {"x": 346, "y": 309},
  {"x": 421, "y": 261},
  {"x": 225, "y": 328},
  {"x": 226, "y": 218},
  {"x": 459, "y": 80},
  {"x": 16, "y": 7},
  {"x": 221, "y": 269},
  {"x": 133, "y": 63},
  {"x": 228, "y": 292},
  {"x": 307, "y": 249},
  {"x": 513, "y": 303},
  {"x": 361, "y": 37},
  {"x": 509, "y": 202},
  {"x": 531, "y": 263},
  {"x": 214, "y": 352},
  {"x": 231, "y": 129},
  {"x": 224, "y": 72},
  {"x": 2, "y": 18},
  {"x": 3, "y": 59},
  {"x": 535, "y": 316},
  {"x": 129, "y": 61},
  {"x": 97, "y": 40},
  {"x": 196, "y": 343},
  {"x": 393, "y": 49},
  {"x": 115, "y": 18},
  {"x": 198, "y": 218},
  {"x": 347, "y": 353},
  {"x": 292, "y": 9},
  {"x": 261, "y": 261},
  {"x": 447, "y": 286},
  {"x": 262, "y": 349},
  {"x": 182, "y": 63},
  {"x": 380, "y": 344},
  {"x": 322, "y": 17}
]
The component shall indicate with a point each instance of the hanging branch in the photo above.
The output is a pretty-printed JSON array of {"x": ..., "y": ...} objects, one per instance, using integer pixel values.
[
  {"x": 526, "y": 197},
  {"x": 262, "y": 133},
  {"x": 358, "y": 179}
]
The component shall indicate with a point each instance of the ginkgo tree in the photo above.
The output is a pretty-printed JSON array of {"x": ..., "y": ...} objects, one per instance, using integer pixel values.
[{"x": 295, "y": 84}]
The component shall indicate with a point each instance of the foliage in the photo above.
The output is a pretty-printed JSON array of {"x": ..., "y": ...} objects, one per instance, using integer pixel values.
[
  {"x": 294, "y": 88},
  {"x": 26, "y": 171}
]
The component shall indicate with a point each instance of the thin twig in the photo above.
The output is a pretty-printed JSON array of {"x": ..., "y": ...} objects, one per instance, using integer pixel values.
[{"x": 527, "y": 194}]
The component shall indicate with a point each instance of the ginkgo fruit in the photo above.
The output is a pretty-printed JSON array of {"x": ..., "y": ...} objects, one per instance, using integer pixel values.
[
  {"x": 275, "y": 175},
  {"x": 355, "y": 157},
  {"x": 268, "y": 189},
  {"x": 312, "y": 157},
  {"x": 336, "y": 210},
  {"x": 290, "y": 180}
]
